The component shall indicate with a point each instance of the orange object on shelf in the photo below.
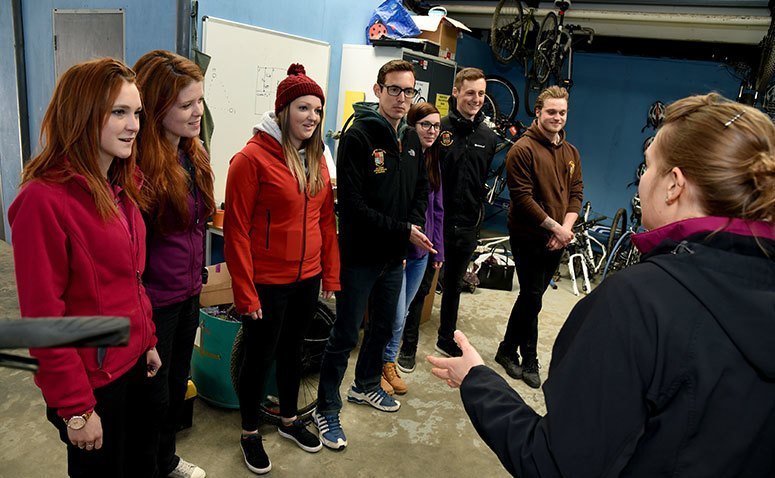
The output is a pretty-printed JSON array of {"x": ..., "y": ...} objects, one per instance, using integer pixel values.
[{"x": 218, "y": 218}]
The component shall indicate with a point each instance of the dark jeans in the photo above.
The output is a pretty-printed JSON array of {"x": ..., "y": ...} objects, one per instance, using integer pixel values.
[
  {"x": 176, "y": 326},
  {"x": 535, "y": 267},
  {"x": 287, "y": 311},
  {"x": 412, "y": 325},
  {"x": 381, "y": 282},
  {"x": 459, "y": 245},
  {"x": 128, "y": 447}
]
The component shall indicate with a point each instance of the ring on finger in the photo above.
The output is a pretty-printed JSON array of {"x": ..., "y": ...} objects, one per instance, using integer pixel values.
[{"x": 89, "y": 446}]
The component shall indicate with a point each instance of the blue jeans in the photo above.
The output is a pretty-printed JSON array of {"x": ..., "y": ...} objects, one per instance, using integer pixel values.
[
  {"x": 376, "y": 286},
  {"x": 413, "y": 272}
]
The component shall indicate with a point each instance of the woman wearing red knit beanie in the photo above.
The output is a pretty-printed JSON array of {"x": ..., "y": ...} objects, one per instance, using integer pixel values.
[{"x": 280, "y": 245}]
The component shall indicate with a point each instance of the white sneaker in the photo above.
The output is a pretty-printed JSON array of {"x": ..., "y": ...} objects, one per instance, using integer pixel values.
[{"x": 187, "y": 470}]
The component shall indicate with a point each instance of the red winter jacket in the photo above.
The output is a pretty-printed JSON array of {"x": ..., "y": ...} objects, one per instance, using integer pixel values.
[
  {"x": 70, "y": 262},
  {"x": 273, "y": 234}
]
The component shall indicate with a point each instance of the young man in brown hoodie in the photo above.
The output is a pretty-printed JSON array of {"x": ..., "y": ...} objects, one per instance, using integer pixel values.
[{"x": 544, "y": 178}]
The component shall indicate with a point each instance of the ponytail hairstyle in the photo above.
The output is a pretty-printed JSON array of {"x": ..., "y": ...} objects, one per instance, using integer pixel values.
[
  {"x": 727, "y": 150},
  {"x": 161, "y": 75},
  {"x": 71, "y": 131},
  {"x": 417, "y": 112}
]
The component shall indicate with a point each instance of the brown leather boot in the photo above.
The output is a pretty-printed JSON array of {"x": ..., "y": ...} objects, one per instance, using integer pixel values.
[
  {"x": 390, "y": 373},
  {"x": 386, "y": 386}
]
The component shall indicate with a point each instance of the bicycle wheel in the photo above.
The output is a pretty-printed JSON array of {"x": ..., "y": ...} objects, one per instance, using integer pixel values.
[
  {"x": 506, "y": 30},
  {"x": 543, "y": 56},
  {"x": 504, "y": 96},
  {"x": 618, "y": 225},
  {"x": 617, "y": 260},
  {"x": 311, "y": 357}
]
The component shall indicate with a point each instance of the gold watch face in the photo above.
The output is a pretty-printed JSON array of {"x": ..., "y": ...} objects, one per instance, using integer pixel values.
[{"x": 76, "y": 422}]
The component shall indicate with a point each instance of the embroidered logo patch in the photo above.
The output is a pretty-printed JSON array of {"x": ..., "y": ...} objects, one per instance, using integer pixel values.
[
  {"x": 379, "y": 161},
  {"x": 446, "y": 138},
  {"x": 411, "y": 153},
  {"x": 571, "y": 167}
]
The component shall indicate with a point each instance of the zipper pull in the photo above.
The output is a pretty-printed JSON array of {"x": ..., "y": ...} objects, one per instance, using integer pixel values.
[{"x": 139, "y": 277}]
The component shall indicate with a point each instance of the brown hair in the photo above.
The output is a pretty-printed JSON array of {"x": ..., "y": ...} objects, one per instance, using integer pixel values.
[
  {"x": 553, "y": 92},
  {"x": 392, "y": 66},
  {"x": 71, "y": 130},
  {"x": 312, "y": 179},
  {"x": 467, "y": 74},
  {"x": 416, "y": 113},
  {"x": 161, "y": 75},
  {"x": 727, "y": 150}
]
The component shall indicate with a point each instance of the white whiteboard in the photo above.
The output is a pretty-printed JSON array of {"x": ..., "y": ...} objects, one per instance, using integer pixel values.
[{"x": 247, "y": 63}]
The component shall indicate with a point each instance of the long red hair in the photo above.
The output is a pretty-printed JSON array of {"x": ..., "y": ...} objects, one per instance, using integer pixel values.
[
  {"x": 161, "y": 75},
  {"x": 70, "y": 133}
]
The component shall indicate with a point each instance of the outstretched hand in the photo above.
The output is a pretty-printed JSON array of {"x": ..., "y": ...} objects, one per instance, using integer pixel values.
[{"x": 454, "y": 370}]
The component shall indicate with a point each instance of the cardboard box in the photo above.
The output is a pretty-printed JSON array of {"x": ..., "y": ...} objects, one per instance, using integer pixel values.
[
  {"x": 218, "y": 288},
  {"x": 441, "y": 30}
]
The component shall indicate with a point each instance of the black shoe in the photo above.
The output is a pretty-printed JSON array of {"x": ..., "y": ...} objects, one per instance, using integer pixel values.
[
  {"x": 254, "y": 454},
  {"x": 297, "y": 431},
  {"x": 510, "y": 362},
  {"x": 530, "y": 374},
  {"x": 406, "y": 363},
  {"x": 448, "y": 347}
]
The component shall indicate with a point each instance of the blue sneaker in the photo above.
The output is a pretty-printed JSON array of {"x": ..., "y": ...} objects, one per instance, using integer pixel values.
[
  {"x": 377, "y": 398},
  {"x": 330, "y": 430}
]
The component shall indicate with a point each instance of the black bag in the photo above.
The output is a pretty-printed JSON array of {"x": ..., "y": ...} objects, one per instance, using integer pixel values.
[{"x": 494, "y": 275}]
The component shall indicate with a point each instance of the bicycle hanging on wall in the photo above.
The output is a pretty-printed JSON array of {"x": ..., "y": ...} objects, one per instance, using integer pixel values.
[{"x": 552, "y": 61}]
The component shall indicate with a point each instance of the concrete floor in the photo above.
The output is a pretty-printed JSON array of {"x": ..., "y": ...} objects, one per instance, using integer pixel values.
[{"x": 430, "y": 436}]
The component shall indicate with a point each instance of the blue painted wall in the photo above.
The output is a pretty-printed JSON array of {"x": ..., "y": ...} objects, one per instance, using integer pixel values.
[
  {"x": 607, "y": 110},
  {"x": 148, "y": 24},
  {"x": 337, "y": 22},
  {"x": 10, "y": 143}
]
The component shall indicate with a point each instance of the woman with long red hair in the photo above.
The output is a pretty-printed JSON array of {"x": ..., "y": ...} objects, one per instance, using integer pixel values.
[
  {"x": 178, "y": 198},
  {"x": 79, "y": 249}
]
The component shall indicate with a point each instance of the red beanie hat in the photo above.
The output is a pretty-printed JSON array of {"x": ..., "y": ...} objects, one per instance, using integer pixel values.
[{"x": 297, "y": 84}]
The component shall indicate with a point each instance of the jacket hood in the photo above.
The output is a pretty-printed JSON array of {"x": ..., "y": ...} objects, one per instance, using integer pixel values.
[
  {"x": 534, "y": 132},
  {"x": 268, "y": 124},
  {"x": 368, "y": 112},
  {"x": 735, "y": 281}
]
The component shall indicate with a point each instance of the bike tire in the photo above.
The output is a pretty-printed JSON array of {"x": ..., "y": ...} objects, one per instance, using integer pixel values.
[
  {"x": 543, "y": 53},
  {"x": 504, "y": 95},
  {"x": 618, "y": 225},
  {"x": 616, "y": 260},
  {"x": 311, "y": 358},
  {"x": 506, "y": 30}
]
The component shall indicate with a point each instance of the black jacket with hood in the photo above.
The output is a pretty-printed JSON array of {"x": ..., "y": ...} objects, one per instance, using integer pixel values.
[
  {"x": 467, "y": 150},
  {"x": 382, "y": 188},
  {"x": 666, "y": 369}
]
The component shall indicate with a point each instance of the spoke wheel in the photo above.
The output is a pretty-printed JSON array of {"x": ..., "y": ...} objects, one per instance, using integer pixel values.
[{"x": 506, "y": 30}]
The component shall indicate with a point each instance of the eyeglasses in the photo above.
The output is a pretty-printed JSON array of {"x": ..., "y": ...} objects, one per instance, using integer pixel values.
[
  {"x": 427, "y": 126},
  {"x": 394, "y": 90}
]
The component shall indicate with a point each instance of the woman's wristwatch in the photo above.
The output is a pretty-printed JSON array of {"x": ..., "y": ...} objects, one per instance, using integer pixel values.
[{"x": 78, "y": 421}]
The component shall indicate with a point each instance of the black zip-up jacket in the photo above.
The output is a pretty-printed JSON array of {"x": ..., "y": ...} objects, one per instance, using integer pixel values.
[
  {"x": 382, "y": 188},
  {"x": 467, "y": 150},
  {"x": 666, "y": 369}
]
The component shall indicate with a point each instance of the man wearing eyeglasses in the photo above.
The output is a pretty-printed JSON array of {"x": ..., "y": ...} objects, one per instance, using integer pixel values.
[
  {"x": 382, "y": 194},
  {"x": 467, "y": 149}
]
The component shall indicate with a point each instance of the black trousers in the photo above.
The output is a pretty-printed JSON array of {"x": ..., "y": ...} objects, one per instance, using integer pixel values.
[
  {"x": 287, "y": 312},
  {"x": 176, "y": 326},
  {"x": 459, "y": 245},
  {"x": 535, "y": 267},
  {"x": 129, "y": 445},
  {"x": 412, "y": 326}
]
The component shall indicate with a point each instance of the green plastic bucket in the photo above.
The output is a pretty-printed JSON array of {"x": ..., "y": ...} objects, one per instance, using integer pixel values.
[{"x": 210, "y": 363}]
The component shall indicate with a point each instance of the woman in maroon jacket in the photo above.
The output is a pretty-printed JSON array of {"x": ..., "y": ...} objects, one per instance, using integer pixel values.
[
  {"x": 79, "y": 249},
  {"x": 280, "y": 244},
  {"x": 179, "y": 198}
]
